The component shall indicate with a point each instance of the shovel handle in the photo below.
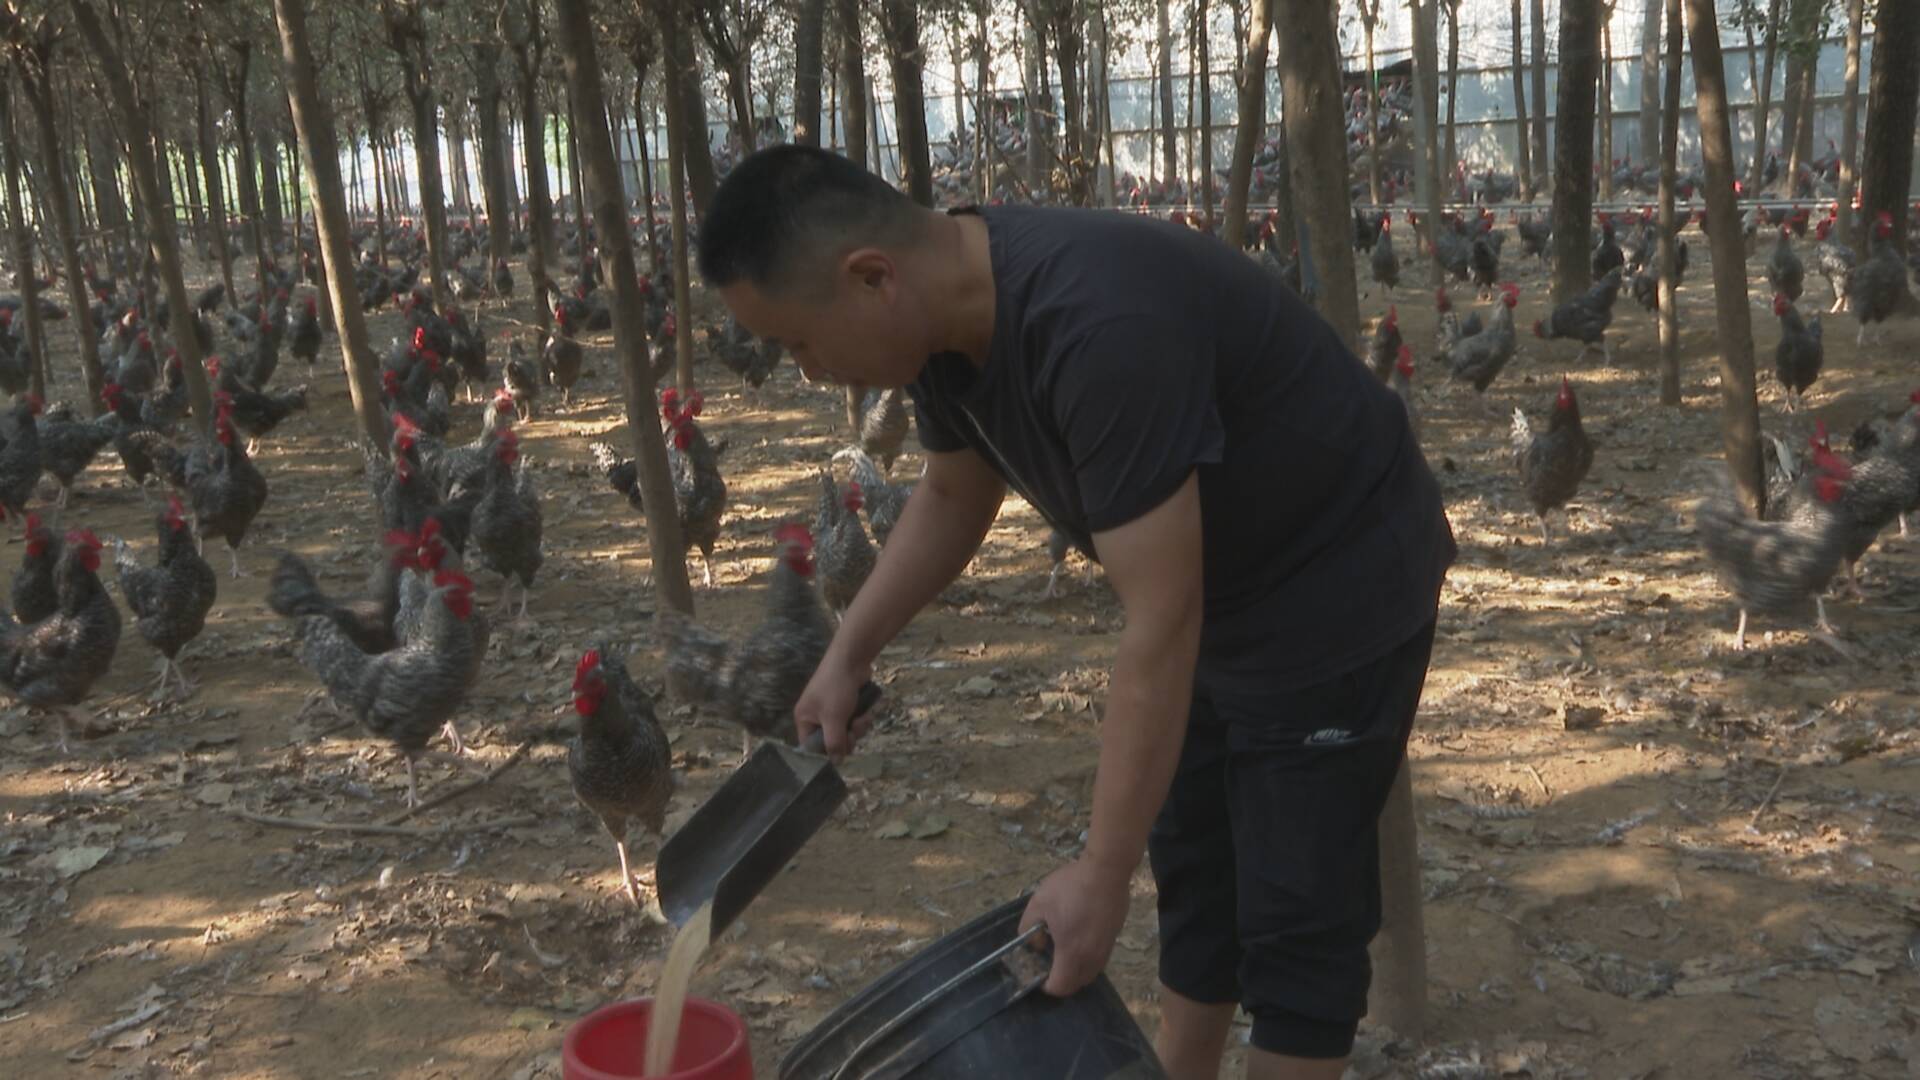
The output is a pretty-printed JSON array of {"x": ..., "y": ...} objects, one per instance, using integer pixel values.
[{"x": 863, "y": 703}]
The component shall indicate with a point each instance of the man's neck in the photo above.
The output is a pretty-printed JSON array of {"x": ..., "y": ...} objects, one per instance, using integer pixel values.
[{"x": 958, "y": 271}]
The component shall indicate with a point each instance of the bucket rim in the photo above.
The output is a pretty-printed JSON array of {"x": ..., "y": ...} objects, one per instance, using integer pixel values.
[{"x": 570, "y": 1044}]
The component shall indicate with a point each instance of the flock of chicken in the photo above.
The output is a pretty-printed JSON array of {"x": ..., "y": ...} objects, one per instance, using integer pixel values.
[{"x": 1823, "y": 511}]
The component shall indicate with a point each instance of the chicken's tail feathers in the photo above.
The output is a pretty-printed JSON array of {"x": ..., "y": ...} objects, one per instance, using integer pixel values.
[
  {"x": 293, "y": 592},
  {"x": 694, "y": 658},
  {"x": 1522, "y": 430}
]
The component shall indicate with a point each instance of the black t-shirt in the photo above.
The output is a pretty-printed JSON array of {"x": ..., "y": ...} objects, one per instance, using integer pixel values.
[{"x": 1127, "y": 353}]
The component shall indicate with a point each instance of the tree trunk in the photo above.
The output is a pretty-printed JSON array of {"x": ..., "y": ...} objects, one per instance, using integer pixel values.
[
  {"x": 379, "y": 200},
  {"x": 1850, "y": 128},
  {"x": 216, "y": 199},
  {"x": 666, "y": 547},
  {"x": 1369, "y": 17},
  {"x": 541, "y": 252},
  {"x": 1521, "y": 141},
  {"x": 684, "y": 62},
  {"x": 1252, "y": 123},
  {"x": 1399, "y": 957},
  {"x": 1452, "y": 155},
  {"x": 40, "y": 98},
  {"x": 1064, "y": 33},
  {"x": 110, "y": 210},
  {"x": 1803, "y": 51},
  {"x": 1669, "y": 182},
  {"x": 267, "y": 153},
  {"x": 573, "y": 167},
  {"x": 1740, "y": 426},
  {"x": 313, "y": 123},
  {"x": 1772, "y": 54},
  {"x": 493, "y": 156},
  {"x": 1540, "y": 158},
  {"x": 1650, "y": 117},
  {"x": 1886, "y": 170},
  {"x": 143, "y": 145},
  {"x": 1426, "y": 120},
  {"x": 641, "y": 125},
  {"x": 679, "y": 121},
  {"x": 1310, "y": 93},
  {"x": 1106, "y": 101},
  {"x": 457, "y": 161},
  {"x": 901, "y": 24},
  {"x": 1169, "y": 150},
  {"x": 983, "y": 110},
  {"x": 1573, "y": 147},
  {"x": 25, "y": 273},
  {"x": 809, "y": 28},
  {"x": 853, "y": 76},
  {"x": 1201, "y": 38},
  {"x": 196, "y": 203},
  {"x": 1603, "y": 104}
]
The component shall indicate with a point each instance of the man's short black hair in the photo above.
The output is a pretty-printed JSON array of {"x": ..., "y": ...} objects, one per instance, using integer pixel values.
[{"x": 784, "y": 209}]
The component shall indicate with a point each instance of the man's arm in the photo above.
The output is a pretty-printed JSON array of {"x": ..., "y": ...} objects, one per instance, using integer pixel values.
[
  {"x": 1154, "y": 564},
  {"x": 936, "y": 536}
]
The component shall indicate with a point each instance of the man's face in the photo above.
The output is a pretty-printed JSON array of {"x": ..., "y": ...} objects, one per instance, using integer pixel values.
[{"x": 864, "y": 331}]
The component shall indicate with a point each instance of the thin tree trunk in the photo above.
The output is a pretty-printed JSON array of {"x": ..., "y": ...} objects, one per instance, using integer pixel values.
[
  {"x": 1650, "y": 118},
  {"x": 683, "y": 62},
  {"x": 1310, "y": 93},
  {"x": 1772, "y": 53},
  {"x": 313, "y": 122},
  {"x": 25, "y": 273},
  {"x": 665, "y": 544},
  {"x": 1573, "y": 147},
  {"x": 379, "y": 200},
  {"x": 1369, "y": 17},
  {"x": 40, "y": 98},
  {"x": 1540, "y": 158},
  {"x": 1169, "y": 150},
  {"x": 983, "y": 110},
  {"x": 1603, "y": 103},
  {"x": 1740, "y": 425},
  {"x": 1522, "y": 142},
  {"x": 1669, "y": 182},
  {"x": 1106, "y": 102},
  {"x": 1803, "y": 31},
  {"x": 1426, "y": 121},
  {"x": 1452, "y": 155},
  {"x": 1400, "y": 949},
  {"x": 267, "y": 154},
  {"x": 640, "y": 126},
  {"x": 1850, "y": 127},
  {"x": 493, "y": 152},
  {"x": 1201, "y": 38},
  {"x": 573, "y": 165},
  {"x": 196, "y": 203},
  {"x": 1886, "y": 169},
  {"x": 541, "y": 253},
  {"x": 1252, "y": 123},
  {"x": 679, "y": 120},
  {"x": 143, "y": 146},
  {"x": 110, "y": 210},
  {"x": 809, "y": 29},
  {"x": 216, "y": 198},
  {"x": 853, "y": 76},
  {"x": 902, "y": 27}
]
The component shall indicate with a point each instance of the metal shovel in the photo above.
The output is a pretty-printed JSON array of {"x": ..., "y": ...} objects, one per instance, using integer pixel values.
[{"x": 751, "y": 828}]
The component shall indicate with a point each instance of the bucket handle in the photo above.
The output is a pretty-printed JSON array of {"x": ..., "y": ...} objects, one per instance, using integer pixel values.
[{"x": 939, "y": 992}]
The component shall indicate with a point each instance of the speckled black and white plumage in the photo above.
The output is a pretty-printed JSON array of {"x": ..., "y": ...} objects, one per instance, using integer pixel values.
[
  {"x": 755, "y": 682},
  {"x": 843, "y": 556},
  {"x": 170, "y": 599},
  {"x": 410, "y": 692},
  {"x": 20, "y": 458},
  {"x": 367, "y": 619},
  {"x": 884, "y": 500},
  {"x": 1553, "y": 463},
  {"x": 883, "y": 427},
  {"x": 620, "y": 763},
  {"x": 67, "y": 447},
  {"x": 1771, "y": 567},
  {"x": 1478, "y": 359},
  {"x": 53, "y": 663},
  {"x": 506, "y": 521}
]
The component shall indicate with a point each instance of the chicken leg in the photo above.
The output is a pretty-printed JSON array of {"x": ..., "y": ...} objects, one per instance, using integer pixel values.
[{"x": 233, "y": 553}]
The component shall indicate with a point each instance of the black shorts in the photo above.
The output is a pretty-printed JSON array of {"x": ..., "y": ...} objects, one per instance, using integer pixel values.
[{"x": 1267, "y": 851}]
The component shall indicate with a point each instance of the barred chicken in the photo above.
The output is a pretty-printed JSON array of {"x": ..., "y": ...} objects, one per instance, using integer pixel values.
[
  {"x": 1383, "y": 348},
  {"x": 1785, "y": 272},
  {"x": 1585, "y": 318},
  {"x": 1799, "y": 356},
  {"x": 506, "y": 521},
  {"x": 1554, "y": 462},
  {"x": 843, "y": 556},
  {"x": 170, "y": 599},
  {"x": 303, "y": 339},
  {"x": 368, "y": 620},
  {"x": 68, "y": 446},
  {"x": 221, "y": 483},
  {"x": 743, "y": 354},
  {"x": 1775, "y": 567},
  {"x": 521, "y": 377},
  {"x": 1402, "y": 386},
  {"x": 1876, "y": 288},
  {"x": 620, "y": 763},
  {"x": 406, "y": 694},
  {"x": 21, "y": 462},
  {"x": 700, "y": 492},
  {"x": 883, "y": 427},
  {"x": 1383, "y": 263},
  {"x": 883, "y": 500},
  {"x": 52, "y": 663},
  {"x": 754, "y": 682},
  {"x": 562, "y": 356},
  {"x": 1834, "y": 260},
  {"x": 1479, "y": 359}
]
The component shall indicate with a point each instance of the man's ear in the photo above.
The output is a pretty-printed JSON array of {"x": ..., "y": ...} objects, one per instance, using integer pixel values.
[{"x": 871, "y": 268}]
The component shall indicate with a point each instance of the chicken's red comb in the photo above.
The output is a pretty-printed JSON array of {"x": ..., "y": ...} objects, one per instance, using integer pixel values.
[
  {"x": 589, "y": 663},
  {"x": 84, "y": 538},
  {"x": 452, "y": 579},
  {"x": 33, "y": 522},
  {"x": 670, "y": 398},
  {"x": 175, "y": 507},
  {"x": 795, "y": 533},
  {"x": 1832, "y": 463},
  {"x": 419, "y": 337},
  {"x": 223, "y": 398},
  {"x": 1405, "y": 355}
]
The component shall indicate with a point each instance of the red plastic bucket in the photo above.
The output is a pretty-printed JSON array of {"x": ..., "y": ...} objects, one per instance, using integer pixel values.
[{"x": 610, "y": 1043}]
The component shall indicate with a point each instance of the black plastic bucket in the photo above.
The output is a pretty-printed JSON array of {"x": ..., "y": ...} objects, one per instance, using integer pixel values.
[{"x": 969, "y": 1006}]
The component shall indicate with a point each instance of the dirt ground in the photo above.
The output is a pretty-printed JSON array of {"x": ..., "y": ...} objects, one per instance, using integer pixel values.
[{"x": 1643, "y": 854}]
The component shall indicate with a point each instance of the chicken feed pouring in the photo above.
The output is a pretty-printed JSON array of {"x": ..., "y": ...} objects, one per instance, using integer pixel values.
[{"x": 440, "y": 445}]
